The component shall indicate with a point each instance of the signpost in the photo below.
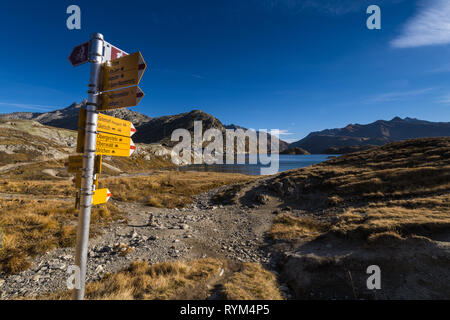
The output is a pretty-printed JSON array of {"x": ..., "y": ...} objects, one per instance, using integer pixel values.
[
  {"x": 75, "y": 164},
  {"x": 100, "y": 134},
  {"x": 101, "y": 196},
  {"x": 111, "y": 52},
  {"x": 128, "y": 97},
  {"x": 79, "y": 54},
  {"x": 113, "y": 145},
  {"x": 113, "y": 125},
  {"x": 123, "y": 72}
]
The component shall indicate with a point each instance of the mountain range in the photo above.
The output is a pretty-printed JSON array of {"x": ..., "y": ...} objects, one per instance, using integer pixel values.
[
  {"x": 358, "y": 136},
  {"x": 351, "y": 138}
]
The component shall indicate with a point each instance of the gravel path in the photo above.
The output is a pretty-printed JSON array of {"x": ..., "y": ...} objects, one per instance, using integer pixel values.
[{"x": 201, "y": 230}]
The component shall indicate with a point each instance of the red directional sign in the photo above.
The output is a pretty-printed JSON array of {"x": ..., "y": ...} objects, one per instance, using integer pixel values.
[
  {"x": 112, "y": 52},
  {"x": 80, "y": 54}
]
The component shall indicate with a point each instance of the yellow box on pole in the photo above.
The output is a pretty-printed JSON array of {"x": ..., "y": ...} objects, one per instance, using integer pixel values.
[
  {"x": 114, "y": 125},
  {"x": 123, "y": 72},
  {"x": 75, "y": 164},
  {"x": 127, "y": 97},
  {"x": 114, "y": 145},
  {"x": 101, "y": 196}
]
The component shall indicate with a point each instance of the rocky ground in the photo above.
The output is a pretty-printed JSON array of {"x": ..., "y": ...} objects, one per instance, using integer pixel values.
[{"x": 202, "y": 229}]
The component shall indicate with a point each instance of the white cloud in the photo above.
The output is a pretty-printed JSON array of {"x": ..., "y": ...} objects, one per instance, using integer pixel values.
[
  {"x": 36, "y": 107},
  {"x": 277, "y": 132},
  {"x": 430, "y": 26},
  {"x": 444, "y": 99},
  {"x": 399, "y": 95},
  {"x": 330, "y": 7}
]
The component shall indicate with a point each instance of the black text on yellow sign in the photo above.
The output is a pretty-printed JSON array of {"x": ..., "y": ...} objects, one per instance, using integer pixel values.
[
  {"x": 123, "y": 72},
  {"x": 114, "y": 145},
  {"x": 75, "y": 164},
  {"x": 128, "y": 97},
  {"x": 114, "y": 125}
]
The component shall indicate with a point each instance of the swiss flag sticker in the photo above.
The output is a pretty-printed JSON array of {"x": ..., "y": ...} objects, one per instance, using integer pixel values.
[{"x": 116, "y": 53}]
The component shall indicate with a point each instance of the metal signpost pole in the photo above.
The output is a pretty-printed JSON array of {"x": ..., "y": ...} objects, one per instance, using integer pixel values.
[{"x": 96, "y": 59}]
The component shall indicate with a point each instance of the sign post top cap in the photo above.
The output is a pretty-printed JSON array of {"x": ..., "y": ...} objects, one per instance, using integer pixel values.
[{"x": 97, "y": 35}]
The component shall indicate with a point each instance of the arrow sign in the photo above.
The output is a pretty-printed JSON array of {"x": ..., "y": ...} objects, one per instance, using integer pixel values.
[
  {"x": 127, "y": 97},
  {"x": 123, "y": 72},
  {"x": 79, "y": 54},
  {"x": 101, "y": 196},
  {"x": 113, "y": 145},
  {"x": 111, "y": 52},
  {"x": 75, "y": 164},
  {"x": 114, "y": 125}
]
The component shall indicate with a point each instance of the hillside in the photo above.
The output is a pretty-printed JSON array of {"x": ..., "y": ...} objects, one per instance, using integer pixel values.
[
  {"x": 67, "y": 118},
  {"x": 149, "y": 130},
  {"x": 160, "y": 129},
  {"x": 376, "y": 133},
  {"x": 388, "y": 206},
  {"x": 30, "y": 149}
]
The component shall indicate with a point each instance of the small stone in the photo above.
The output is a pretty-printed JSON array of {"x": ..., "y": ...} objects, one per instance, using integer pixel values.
[
  {"x": 99, "y": 269},
  {"x": 184, "y": 226},
  {"x": 134, "y": 235}
]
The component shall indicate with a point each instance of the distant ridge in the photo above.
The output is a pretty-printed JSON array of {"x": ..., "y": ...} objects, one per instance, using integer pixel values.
[
  {"x": 149, "y": 130},
  {"x": 67, "y": 118},
  {"x": 373, "y": 134}
]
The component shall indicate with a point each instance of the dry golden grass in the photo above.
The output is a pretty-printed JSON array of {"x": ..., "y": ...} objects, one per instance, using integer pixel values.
[
  {"x": 181, "y": 280},
  {"x": 41, "y": 188},
  {"x": 30, "y": 227},
  {"x": 34, "y": 171},
  {"x": 168, "y": 188},
  {"x": 394, "y": 191},
  {"x": 374, "y": 219},
  {"x": 374, "y": 222},
  {"x": 253, "y": 282},
  {"x": 160, "y": 281},
  {"x": 287, "y": 227},
  {"x": 139, "y": 164}
]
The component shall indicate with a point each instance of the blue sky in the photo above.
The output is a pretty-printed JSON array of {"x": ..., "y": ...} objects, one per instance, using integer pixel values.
[{"x": 297, "y": 66}]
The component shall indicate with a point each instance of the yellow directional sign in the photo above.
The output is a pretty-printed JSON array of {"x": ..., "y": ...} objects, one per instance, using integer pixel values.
[
  {"x": 123, "y": 72},
  {"x": 75, "y": 164},
  {"x": 101, "y": 196},
  {"x": 114, "y": 125},
  {"x": 127, "y": 97},
  {"x": 114, "y": 145}
]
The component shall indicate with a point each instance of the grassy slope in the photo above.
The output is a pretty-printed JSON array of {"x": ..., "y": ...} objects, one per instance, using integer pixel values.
[
  {"x": 402, "y": 187},
  {"x": 387, "y": 206},
  {"x": 182, "y": 280}
]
